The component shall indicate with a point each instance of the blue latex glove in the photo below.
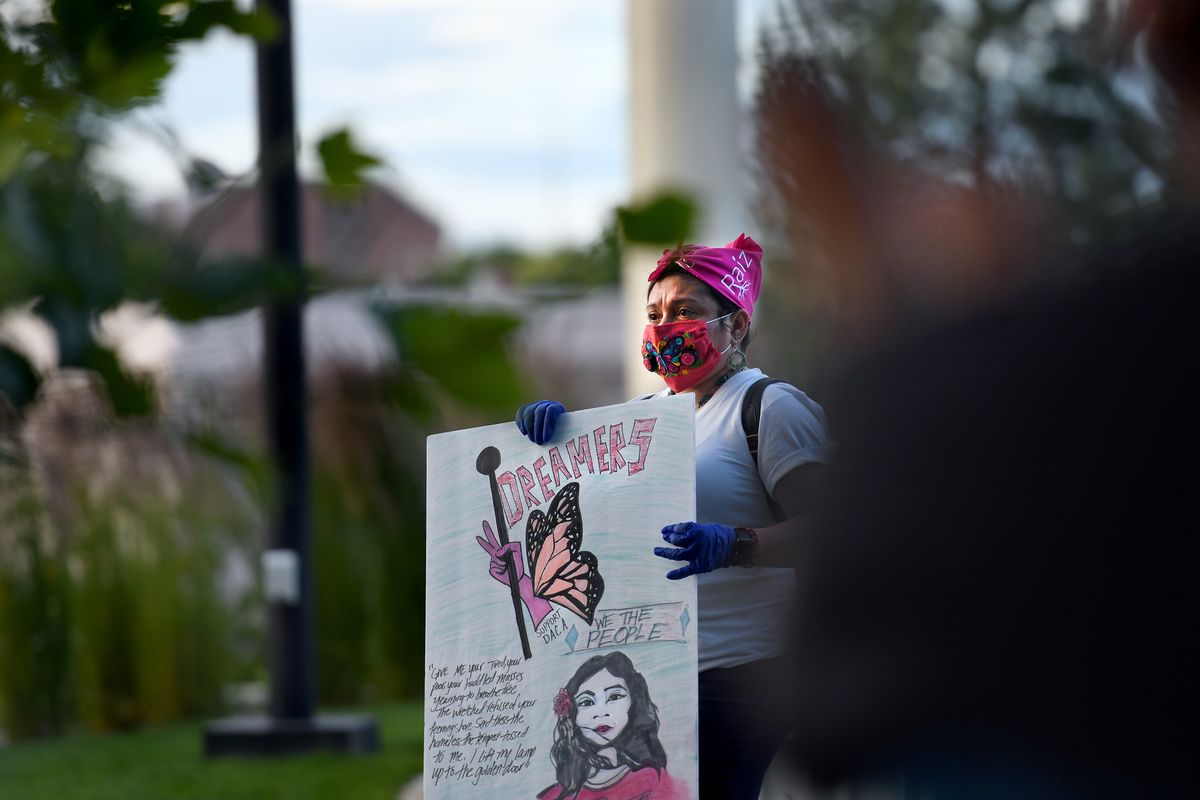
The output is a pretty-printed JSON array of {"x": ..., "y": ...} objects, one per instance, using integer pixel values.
[
  {"x": 537, "y": 420},
  {"x": 707, "y": 547}
]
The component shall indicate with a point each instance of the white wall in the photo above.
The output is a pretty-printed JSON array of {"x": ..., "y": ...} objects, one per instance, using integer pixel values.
[{"x": 685, "y": 124}]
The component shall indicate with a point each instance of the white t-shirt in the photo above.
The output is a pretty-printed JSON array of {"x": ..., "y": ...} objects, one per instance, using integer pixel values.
[{"x": 744, "y": 612}]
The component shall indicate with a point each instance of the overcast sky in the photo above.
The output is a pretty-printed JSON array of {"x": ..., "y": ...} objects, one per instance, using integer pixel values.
[{"x": 505, "y": 120}]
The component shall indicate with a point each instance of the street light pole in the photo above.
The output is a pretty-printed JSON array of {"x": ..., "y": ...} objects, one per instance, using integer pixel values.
[
  {"x": 292, "y": 725},
  {"x": 291, "y": 659}
]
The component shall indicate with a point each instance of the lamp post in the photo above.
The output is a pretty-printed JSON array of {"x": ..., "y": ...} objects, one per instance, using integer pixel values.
[
  {"x": 289, "y": 580},
  {"x": 287, "y": 563}
]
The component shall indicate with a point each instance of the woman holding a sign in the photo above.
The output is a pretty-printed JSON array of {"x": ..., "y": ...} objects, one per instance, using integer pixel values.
[{"x": 698, "y": 311}]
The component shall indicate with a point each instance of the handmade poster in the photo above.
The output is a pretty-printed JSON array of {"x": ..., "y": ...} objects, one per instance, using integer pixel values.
[{"x": 560, "y": 661}]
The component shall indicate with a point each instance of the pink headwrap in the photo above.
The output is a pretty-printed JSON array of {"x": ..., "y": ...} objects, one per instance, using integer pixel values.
[{"x": 733, "y": 271}]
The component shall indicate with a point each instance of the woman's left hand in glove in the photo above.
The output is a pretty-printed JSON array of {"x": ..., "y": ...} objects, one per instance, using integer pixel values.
[{"x": 705, "y": 546}]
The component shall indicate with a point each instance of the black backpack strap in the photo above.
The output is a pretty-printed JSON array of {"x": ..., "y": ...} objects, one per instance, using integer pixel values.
[{"x": 751, "y": 414}]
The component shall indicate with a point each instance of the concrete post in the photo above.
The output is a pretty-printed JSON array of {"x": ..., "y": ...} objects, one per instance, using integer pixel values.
[{"x": 685, "y": 124}]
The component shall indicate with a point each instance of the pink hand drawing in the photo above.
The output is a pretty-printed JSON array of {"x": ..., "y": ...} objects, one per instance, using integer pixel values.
[{"x": 537, "y": 607}]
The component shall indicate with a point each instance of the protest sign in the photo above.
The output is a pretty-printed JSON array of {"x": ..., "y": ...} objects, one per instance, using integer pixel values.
[{"x": 560, "y": 661}]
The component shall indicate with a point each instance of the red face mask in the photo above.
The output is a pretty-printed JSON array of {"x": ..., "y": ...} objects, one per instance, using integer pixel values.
[{"x": 681, "y": 352}]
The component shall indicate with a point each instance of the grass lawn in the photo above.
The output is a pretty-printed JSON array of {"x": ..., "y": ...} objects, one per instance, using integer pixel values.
[{"x": 167, "y": 763}]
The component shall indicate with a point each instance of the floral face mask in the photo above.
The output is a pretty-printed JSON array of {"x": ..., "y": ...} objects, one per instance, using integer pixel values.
[{"x": 681, "y": 352}]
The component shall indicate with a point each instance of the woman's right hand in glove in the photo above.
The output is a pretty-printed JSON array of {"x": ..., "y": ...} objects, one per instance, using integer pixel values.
[{"x": 537, "y": 420}]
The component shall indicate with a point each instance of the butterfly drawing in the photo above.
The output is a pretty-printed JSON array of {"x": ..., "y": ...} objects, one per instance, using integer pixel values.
[{"x": 560, "y": 571}]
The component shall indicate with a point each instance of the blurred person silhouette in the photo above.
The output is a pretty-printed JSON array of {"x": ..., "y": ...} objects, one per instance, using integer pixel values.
[{"x": 997, "y": 599}]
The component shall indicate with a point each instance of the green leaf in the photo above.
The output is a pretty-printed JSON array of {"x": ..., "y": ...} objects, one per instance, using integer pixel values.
[
  {"x": 12, "y": 150},
  {"x": 343, "y": 161},
  {"x": 130, "y": 395},
  {"x": 255, "y": 467},
  {"x": 465, "y": 354},
  {"x": 19, "y": 381},
  {"x": 135, "y": 81},
  {"x": 411, "y": 396},
  {"x": 225, "y": 287},
  {"x": 72, "y": 325},
  {"x": 668, "y": 218},
  {"x": 259, "y": 24}
]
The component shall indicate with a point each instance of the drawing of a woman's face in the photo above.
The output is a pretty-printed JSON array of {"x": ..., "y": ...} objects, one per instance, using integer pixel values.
[{"x": 602, "y": 707}]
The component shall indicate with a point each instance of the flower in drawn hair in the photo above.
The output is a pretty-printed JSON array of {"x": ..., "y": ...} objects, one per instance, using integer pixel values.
[{"x": 562, "y": 704}]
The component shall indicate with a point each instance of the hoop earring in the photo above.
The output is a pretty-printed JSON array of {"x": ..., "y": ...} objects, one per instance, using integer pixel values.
[{"x": 737, "y": 360}]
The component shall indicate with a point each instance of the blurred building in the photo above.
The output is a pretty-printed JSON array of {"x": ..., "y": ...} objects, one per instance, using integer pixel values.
[
  {"x": 372, "y": 250},
  {"x": 369, "y": 237},
  {"x": 355, "y": 242}
]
